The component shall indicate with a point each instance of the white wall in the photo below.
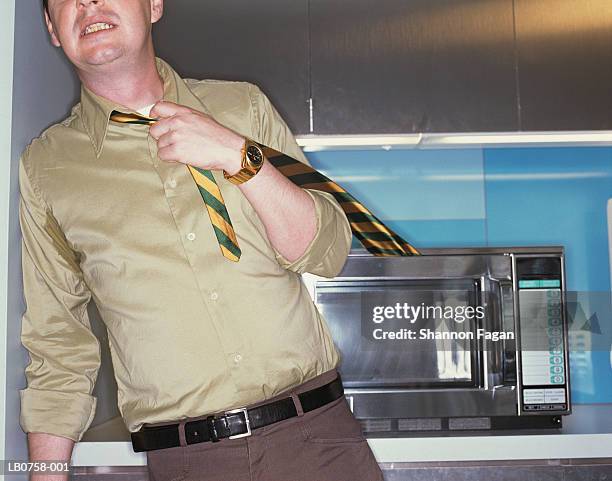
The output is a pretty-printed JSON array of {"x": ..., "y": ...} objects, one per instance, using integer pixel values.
[
  {"x": 43, "y": 90},
  {"x": 7, "y": 16}
]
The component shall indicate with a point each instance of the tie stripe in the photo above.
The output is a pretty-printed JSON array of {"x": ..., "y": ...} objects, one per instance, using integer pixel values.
[
  {"x": 209, "y": 190},
  {"x": 375, "y": 236},
  {"x": 219, "y": 217},
  {"x": 208, "y": 185}
]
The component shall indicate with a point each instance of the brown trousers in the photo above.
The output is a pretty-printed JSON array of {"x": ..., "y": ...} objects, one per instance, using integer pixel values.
[{"x": 325, "y": 444}]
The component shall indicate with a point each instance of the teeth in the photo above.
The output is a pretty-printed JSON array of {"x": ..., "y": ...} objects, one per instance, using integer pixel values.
[{"x": 97, "y": 27}]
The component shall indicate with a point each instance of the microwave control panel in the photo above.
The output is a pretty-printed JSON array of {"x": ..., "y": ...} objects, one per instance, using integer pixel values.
[{"x": 543, "y": 332}]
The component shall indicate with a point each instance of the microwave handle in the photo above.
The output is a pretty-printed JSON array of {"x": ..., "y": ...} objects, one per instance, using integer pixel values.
[{"x": 509, "y": 354}]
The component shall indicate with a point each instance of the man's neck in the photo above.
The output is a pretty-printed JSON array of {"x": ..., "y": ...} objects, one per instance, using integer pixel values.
[{"x": 135, "y": 86}]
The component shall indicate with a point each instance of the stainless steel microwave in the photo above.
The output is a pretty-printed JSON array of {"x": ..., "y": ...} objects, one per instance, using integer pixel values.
[{"x": 455, "y": 339}]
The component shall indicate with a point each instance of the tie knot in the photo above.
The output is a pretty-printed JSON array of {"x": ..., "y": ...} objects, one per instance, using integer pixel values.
[{"x": 129, "y": 118}]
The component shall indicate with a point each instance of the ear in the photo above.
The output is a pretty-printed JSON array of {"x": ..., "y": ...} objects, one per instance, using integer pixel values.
[
  {"x": 157, "y": 10},
  {"x": 54, "y": 40}
]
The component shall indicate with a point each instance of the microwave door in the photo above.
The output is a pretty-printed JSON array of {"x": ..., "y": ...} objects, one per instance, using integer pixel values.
[{"x": 369, "y": 359}]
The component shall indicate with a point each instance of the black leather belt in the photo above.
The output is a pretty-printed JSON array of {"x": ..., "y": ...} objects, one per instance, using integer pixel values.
[{"x": 237, "y": 423}]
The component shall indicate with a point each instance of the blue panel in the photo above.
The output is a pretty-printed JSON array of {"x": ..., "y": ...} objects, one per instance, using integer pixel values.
[
  {"x": 553, "y": 196},
  {"x": 558, "y": 196},
  {"x": 432, "y": 198},
  {"x": 442, "y": 233}
]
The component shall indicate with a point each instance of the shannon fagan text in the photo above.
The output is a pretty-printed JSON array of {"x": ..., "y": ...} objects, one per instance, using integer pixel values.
[{"x": 429, "y": 334}]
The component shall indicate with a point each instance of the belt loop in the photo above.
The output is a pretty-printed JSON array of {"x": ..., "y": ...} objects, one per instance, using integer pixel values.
[
  {"x": 181, "y": 430},
  {"x": 298, "y": 404}
]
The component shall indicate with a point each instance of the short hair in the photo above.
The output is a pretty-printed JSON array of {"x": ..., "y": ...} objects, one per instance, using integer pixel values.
[{"x": 45, "y": 4}]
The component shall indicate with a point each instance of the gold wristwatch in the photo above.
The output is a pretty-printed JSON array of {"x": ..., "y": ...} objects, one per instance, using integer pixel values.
[{"x": 252, "y": 160}]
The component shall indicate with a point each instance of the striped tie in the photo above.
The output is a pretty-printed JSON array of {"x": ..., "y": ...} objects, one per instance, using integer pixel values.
[
  {"x": 209, "y": 190},
  {"x": 376, "y": 237}
]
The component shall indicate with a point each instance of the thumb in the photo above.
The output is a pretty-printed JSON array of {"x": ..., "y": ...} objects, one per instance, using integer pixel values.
[{"x": 163, "y": 109}]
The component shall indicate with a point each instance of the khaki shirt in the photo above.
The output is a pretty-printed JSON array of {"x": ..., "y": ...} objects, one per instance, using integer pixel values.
[{"x": 190, "y": 332}]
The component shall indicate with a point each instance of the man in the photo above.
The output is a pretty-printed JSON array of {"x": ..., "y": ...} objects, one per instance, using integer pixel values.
[{"x": 110, "y": 211}]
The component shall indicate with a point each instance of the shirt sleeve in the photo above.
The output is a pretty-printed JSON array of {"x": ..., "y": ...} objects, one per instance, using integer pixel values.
[
  {"x": 64, "y": 353},
  {"x": 327, "y": 252}
]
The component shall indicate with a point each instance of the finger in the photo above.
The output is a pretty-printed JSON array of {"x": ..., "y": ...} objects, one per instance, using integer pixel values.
[
  {"x": 166, "y": 139},
  {"x": 162, "y": 127},
  {"x": 168, "y": 153},
  {"x": 164, "y": 109}
]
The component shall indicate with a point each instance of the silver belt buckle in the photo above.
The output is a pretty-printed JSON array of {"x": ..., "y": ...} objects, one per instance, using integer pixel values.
[{"x": 247, "y": 421}]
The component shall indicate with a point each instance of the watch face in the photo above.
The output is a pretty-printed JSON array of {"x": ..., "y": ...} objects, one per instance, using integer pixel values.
[{"x": 255, "y": 155}]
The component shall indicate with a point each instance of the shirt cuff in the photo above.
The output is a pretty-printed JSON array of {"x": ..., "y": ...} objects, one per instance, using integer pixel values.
[
  {"x": 326, "y": 253},
  {"x": 65, "y": 414}
]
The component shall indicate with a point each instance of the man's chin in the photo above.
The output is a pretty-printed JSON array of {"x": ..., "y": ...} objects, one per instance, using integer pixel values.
[{"x": 102, "y": 57}]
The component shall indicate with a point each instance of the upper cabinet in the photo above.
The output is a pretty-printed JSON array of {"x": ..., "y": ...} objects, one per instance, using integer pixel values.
[
  {"x": 406, "y": 66},
  {"x": 391, "y": 66},
  {"x": 565, "y": 64},
  {"x": 262, "y": 41}
]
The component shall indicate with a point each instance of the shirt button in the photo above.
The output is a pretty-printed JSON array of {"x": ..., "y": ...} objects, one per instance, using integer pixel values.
[
  {"x": 237, "y": 358},
  {"x": 214, "y": 296},
  {"x": 191, "y": 236},
  {"x": 172, "y": 183}
]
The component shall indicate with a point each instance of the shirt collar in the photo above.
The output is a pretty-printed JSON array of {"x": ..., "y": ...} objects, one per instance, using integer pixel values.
[{"x": 96, "y": 110}]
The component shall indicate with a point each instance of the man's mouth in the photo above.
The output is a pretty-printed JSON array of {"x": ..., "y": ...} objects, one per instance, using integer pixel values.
[{"x": 96, "y": 27}]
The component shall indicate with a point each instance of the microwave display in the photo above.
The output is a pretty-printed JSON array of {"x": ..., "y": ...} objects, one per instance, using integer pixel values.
[{"x": 543, "y": 353}]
